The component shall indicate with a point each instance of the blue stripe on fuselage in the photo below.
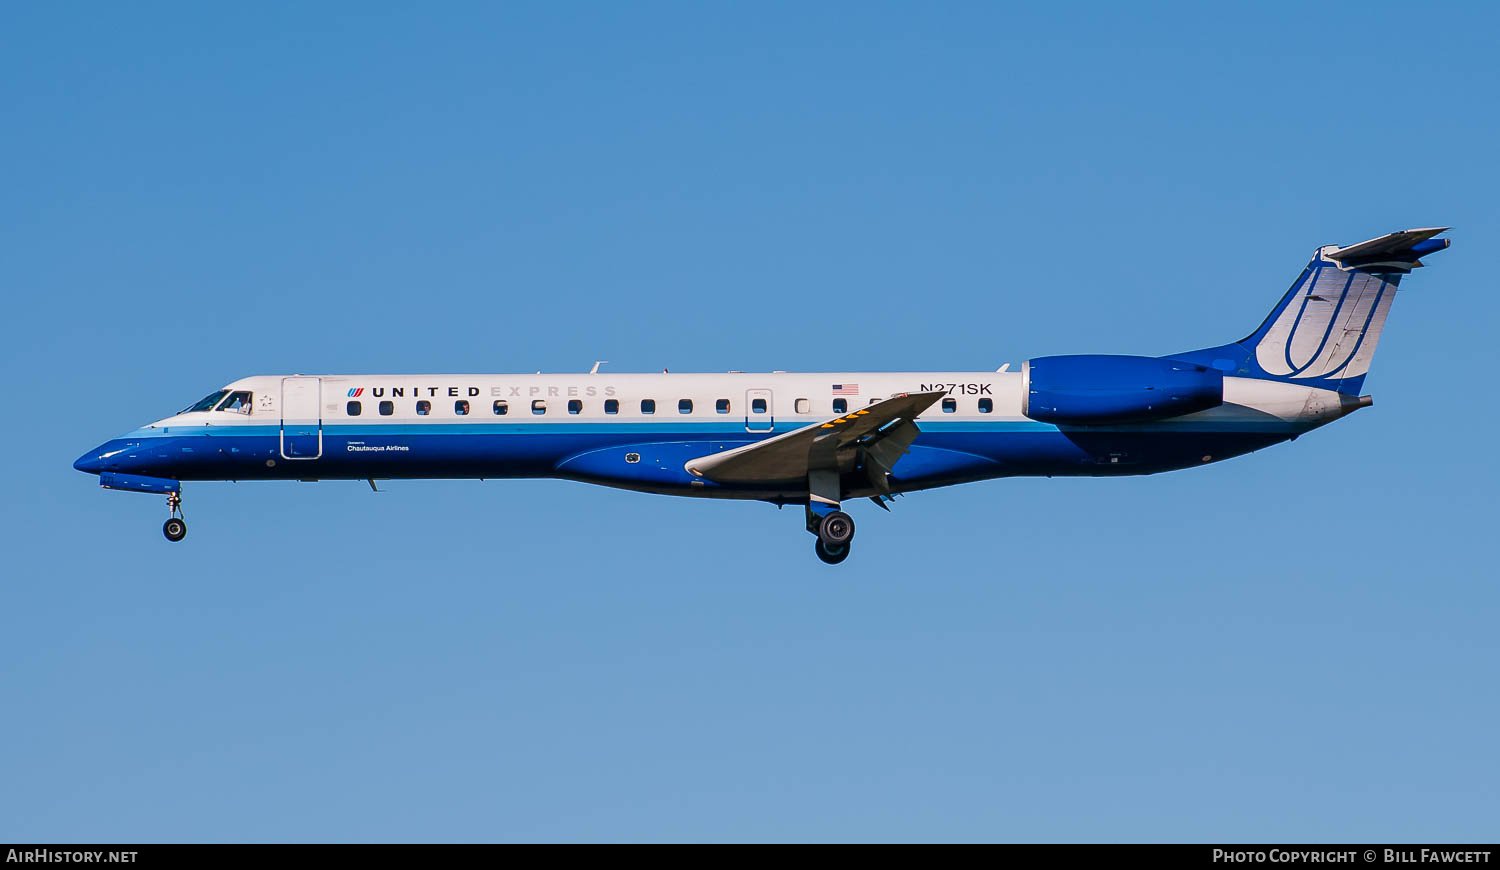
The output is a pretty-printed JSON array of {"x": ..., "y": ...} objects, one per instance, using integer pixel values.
[{"x": 947, "y": 451}]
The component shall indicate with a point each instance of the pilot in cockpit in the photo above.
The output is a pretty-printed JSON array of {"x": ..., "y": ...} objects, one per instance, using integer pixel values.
[{"x": 238, "y": 402}]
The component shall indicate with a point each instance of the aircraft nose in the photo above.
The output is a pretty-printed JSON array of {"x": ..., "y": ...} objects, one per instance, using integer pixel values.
[{"x": 90, "y": 462}]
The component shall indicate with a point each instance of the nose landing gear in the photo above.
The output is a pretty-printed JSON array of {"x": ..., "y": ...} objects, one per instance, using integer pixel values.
[{"x": 175, "y": 528}]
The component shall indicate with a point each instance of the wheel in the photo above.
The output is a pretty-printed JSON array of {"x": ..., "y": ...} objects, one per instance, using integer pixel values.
[
  {"x": 175, "y": 529},
  {"x": 836, "y": 530},
  {"x": 831, "y": 555}
]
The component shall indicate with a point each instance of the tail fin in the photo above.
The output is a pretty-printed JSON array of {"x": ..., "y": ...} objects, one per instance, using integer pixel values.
[{"x": 1323, "y": 333}]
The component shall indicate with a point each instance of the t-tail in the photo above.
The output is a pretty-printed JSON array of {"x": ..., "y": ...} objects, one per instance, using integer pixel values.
[{"x": 1324, "y": 331}]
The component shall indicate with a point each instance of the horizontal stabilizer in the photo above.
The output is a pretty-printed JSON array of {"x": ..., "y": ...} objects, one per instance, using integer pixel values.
[{"x": 1400, "y": 252}]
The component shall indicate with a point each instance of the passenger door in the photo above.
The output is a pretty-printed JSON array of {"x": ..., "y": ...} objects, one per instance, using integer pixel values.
[
  {"x": 301, "y": 418},
  {"x": 760, "y": 413}
]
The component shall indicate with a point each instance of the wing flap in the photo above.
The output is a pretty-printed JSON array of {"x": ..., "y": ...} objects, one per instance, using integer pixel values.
[{"x": 882, "y": 455}]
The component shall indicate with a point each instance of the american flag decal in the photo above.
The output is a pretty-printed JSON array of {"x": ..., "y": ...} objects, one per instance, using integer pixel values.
[{"x": 846, "y": 389}]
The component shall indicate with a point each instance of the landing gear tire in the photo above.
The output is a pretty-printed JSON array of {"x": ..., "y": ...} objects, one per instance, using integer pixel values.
[
  {"x": 836, "y": 531},
  {"x": 175, "y": 529},
  {"x": 831, "y": 555}
]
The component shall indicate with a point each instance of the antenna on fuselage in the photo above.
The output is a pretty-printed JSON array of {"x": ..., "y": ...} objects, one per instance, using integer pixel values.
[{"x": 597, "y": 364}]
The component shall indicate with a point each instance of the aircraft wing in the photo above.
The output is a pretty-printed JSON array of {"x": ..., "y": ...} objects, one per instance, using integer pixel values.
[{"x": 881, "y": 432}]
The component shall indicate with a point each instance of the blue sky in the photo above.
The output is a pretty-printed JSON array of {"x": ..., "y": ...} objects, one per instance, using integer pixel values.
[{"x": 1296, "y": 645}]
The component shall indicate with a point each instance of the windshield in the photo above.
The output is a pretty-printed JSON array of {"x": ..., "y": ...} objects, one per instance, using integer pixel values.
[
  {"x": 238, "y": 402},
  {"x": 206, "y": 403}
]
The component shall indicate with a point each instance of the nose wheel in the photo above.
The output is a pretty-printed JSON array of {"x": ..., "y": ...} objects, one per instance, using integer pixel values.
[{"x": 175, "y": 528}]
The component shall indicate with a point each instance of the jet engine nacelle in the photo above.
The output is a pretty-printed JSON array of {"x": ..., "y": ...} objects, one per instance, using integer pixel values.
[{"x": 1099, "y": 389}]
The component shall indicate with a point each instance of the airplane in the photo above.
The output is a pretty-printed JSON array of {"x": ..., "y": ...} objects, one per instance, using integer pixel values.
[{"x": 817, "y": 440}]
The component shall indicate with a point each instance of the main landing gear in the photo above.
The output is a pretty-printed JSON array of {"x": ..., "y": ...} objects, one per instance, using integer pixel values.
[
  {"x": 833, "y": 527},
  {"x": 831, "y": 556},
  {"x": 175, "y": 528},
  {"x": 835, "y": 530}
]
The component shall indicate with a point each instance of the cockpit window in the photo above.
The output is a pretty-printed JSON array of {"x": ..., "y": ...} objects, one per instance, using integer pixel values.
[
  {"x": 206, "y": 403},
  {"x": 238, "y": 402}
]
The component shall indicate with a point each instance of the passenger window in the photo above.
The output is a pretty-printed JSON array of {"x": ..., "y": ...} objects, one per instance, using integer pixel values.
[
  {"x": 986, "y": 406},
  {"x": 238, "y": 402},
  {"x": 950, "y": 405},
  {"x": 352, "y": 409},
  {"x": 611, "y": 406},
  {"x": 721, "y": 406},
  {"x": 461, "y": 407},
  {"x": 684, "y": 406},
  {"x": 575, "y": 406},
  {"x": 424, "y": 408},
  {"x": 538, "y": 406},
  {"x": 804, "y": 406},
  {"x": 387, "y": 408},
  {"x": 840, "y": 406},
  {"x": 501, "y": 408},
  {"x": 648, "y": 406},
  {"x": 758, "y": 406}
]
